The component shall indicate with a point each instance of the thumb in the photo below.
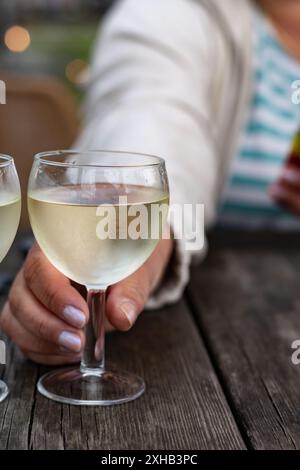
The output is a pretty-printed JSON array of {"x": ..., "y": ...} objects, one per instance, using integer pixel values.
[{"x": 127, "y": 299}]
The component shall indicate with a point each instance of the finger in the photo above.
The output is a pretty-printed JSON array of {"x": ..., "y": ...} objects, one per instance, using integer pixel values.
[
  {"x": 51, "y": 360},
  {"x": 290, "y": 176},
  {"x": 128, "y": 298},
  {"x": 40, "y": 322},
  {"x": 54, "y": 290},
  {"x": 158, "y": 261},
  {"x": 27, "y": 341},
  {"x": 287, "y": 197},
  {"x": 108, "y": 327}
]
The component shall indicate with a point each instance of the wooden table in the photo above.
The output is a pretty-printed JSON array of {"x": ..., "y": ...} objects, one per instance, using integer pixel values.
[{"x": 217, "y": 365}]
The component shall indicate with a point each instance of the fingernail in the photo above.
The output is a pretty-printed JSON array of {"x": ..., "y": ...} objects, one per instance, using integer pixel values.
[
  {"x": 129, "y": 310},
  {"x": 70, "y": 341},
  {"x": 290, "y": 176},
  {"x": 74, "y": 316}
]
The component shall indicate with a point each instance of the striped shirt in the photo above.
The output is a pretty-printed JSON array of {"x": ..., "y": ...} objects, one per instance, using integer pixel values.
[{"x": 271, "y": 124}]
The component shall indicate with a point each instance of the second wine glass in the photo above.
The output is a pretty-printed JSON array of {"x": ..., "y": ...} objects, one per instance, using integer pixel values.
[
  {"x": 10, "y": 211},
  {"x": 87, "y": 210}
]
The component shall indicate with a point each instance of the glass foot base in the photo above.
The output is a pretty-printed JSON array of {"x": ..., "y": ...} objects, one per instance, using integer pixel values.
[
  {"x": 3, "y": 391},
  {"x": 75, "y": 387}
]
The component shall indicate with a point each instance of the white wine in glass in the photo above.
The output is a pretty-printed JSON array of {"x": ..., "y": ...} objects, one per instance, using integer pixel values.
[
  {"x": 97, "y": 216},
  {"x": 10, "y": 211},
  {"x": 10, "y": 207},
  {"x": 65, "y": 223}
]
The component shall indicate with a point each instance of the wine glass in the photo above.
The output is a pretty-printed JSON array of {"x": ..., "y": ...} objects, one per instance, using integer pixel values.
[
  {"x": 10, "y": 210},
  {"x": 83, "y": 209}
]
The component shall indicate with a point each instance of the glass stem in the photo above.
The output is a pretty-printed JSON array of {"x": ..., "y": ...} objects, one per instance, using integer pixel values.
[{"x": 93, "y": 360}]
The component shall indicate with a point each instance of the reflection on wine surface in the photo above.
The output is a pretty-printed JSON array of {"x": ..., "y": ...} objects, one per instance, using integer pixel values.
[{"x": 70, "y": 229}]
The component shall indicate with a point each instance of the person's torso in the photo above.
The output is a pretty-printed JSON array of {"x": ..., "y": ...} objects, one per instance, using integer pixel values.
[{"x": 272, "y": 121}]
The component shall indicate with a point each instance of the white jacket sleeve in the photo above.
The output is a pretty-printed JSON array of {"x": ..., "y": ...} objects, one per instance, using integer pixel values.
[{"x": 150, "y": 92}]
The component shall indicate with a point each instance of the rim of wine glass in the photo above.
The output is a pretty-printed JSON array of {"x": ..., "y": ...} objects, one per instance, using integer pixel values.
[
  {"x": 5, "y": 160},
  {"x": 44, "y": 158}
]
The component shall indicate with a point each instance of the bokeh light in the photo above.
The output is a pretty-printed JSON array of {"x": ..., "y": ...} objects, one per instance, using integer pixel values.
[
  {"x": 17, "y": 39},
  {"x": 77, "y": 72}
]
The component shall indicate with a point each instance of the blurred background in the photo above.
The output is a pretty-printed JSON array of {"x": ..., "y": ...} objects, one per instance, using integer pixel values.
[
  {"x": 51, "y": 37},
  {"x": 45, "y": 47}
]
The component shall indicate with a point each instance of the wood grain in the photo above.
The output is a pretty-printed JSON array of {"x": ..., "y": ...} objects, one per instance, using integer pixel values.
[
  {"x": 246, "y": 303},
  {"x": 218, "y": 368},
  {"x": 183, "y": 407}
]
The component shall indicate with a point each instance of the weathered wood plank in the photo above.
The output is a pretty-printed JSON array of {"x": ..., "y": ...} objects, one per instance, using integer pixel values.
[
  {"x": 15, "y": 413},
  {"x": 247, "y": 305},
  {"x": 183, "y": 408}
]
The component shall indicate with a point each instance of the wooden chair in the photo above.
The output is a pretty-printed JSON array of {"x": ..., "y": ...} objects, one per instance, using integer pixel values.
[{"x": 39, "y": 115}]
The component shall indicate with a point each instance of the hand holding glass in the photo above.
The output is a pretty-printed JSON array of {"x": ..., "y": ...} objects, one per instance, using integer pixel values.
[{"x": 82, "y": 206}]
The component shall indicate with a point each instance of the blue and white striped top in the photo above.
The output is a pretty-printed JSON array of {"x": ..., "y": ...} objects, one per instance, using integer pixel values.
[{"x": 271, "y": 125}]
